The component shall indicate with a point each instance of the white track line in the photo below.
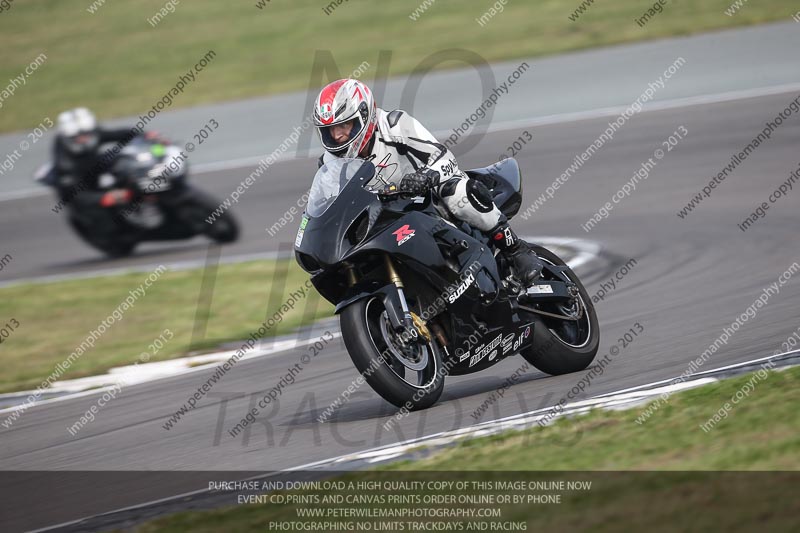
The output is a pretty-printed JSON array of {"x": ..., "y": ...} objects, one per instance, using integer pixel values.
[
  {"x": 587, "y": 250},
  {"x": 132, "y": 269},
  {"x": 559, "y": 118},
  {"x": 604, "y": 401},
  {"x": 173, "y": 367},
  {"x": 703, "y": 373},
  {"x": 662, "y": 105},
  {"x": 613, "y": 400}
]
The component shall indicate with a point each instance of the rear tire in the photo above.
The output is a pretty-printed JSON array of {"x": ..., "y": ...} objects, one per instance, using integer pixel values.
[
  {"x": 550, "y": 353},
  {"x": 200, "y": 207},
  {"x": 224, "y": 230},
  {"x": 365, "y": 343}
]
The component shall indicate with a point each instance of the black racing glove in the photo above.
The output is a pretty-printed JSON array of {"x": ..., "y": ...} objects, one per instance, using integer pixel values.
[
  {"x": 419, "y": 182},
  {"x": 413, "y": 184}
]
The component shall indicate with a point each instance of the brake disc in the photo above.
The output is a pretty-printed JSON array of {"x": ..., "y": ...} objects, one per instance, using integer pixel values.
[{"x": 417, "y": 360}]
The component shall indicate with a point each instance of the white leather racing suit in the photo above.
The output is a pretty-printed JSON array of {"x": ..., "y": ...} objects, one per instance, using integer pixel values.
[{"x": 401, "y": 145}]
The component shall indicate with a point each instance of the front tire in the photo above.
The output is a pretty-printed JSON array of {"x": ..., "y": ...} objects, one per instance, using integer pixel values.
[
  {"x": 556, "y": 349},
  {"x": 115, "y": 247},
  {"x": 379, "y": 357}
]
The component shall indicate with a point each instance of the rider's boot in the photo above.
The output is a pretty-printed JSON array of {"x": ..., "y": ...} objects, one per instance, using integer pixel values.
[{"x": 524, "y": 262}]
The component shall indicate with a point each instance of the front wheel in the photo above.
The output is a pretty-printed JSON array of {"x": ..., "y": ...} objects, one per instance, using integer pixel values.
[
  {"x": 564, "y": 346},
  {"x": 406, "y": 374},
  {"x": 115, "y": 246}
]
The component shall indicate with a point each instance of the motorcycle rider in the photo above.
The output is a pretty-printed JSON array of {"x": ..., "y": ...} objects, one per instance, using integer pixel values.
[
  {"x": 78, "y": 163},
  {"x": 350, "y": 124}
]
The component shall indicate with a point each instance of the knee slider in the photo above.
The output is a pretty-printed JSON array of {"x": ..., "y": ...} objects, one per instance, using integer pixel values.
[{"x": 479, "y": 196}]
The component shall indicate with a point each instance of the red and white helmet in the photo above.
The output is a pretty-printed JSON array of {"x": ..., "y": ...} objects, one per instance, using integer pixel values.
[{"x": 342, "y": 101}]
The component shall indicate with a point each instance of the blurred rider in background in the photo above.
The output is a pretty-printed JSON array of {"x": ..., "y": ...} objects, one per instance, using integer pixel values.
[{"x": 78, "y": 162}]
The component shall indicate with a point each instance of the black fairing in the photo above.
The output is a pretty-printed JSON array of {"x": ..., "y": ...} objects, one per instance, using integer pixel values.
[
  {"x": 505, "y": 181},
  {"x": 434, "y": 258}
]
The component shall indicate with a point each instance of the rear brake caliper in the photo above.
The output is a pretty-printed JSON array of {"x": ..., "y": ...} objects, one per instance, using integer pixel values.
[
  {"x": 572, "y": 289},
  {"x": 512, "y": 286}
]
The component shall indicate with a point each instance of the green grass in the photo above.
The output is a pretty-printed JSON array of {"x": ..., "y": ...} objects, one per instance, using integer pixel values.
[
  {"x": 56, "y": 317},
  {"x": 114, "y": 62},
  {"x": 760, "y": 433}
]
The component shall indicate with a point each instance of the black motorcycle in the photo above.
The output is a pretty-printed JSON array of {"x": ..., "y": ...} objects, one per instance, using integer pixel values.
[
  {"x": 421, "y": 297},
  {"x": 144, "y": 197}
]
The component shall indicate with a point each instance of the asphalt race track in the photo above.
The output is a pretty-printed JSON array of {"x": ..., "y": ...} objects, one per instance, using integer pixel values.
[{"x": 692, "y": 278}]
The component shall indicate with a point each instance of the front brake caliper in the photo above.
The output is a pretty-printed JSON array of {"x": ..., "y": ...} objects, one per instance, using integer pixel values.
[{"x": 420, "y": 326}]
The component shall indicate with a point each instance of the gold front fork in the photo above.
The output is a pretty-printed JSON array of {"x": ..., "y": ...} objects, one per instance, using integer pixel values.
[
  {"x": 351, "y": 274},
  {"x": 394, "y": 277},
  {"x": 412, "y": 319}
]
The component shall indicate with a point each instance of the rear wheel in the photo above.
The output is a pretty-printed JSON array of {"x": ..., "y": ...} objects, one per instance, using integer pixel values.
[
  {"x": 224, "y": 229},
  {"x": 406, "y": 374},
  {"x": 563, "y": 346},
  {"x": 200, "y": 207}
]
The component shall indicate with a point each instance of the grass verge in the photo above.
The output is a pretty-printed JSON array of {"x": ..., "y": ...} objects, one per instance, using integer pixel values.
[
  {"x": 55, "y": 318},
  {"x": 115, "y": 62},
  {"x": 611, "y": 450}
]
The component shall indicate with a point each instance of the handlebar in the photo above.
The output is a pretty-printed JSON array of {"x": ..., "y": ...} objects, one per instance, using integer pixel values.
[{"x": 391, "y": 192}]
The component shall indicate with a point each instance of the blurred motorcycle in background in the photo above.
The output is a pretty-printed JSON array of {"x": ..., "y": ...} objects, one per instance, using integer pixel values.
[{"x": 144, "y": 197}]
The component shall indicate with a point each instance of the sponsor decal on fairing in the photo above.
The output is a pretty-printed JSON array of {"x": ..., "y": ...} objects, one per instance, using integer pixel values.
[
  {"x": 461, "y": 289},
  {"x": 403, "y": 234},
  {"x": 299, "y": 239}
]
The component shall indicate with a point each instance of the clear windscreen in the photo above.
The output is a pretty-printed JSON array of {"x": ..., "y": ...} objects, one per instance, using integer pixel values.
[{"x": 329, "y": 181}]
